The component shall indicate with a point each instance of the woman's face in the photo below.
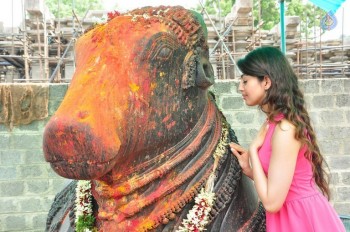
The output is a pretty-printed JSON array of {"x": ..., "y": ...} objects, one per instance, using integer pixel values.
[{"x": 253, "y": 90}]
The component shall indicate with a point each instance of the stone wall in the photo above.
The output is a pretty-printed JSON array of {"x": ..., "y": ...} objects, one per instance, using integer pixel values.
[{"x": 28, "y": 184}]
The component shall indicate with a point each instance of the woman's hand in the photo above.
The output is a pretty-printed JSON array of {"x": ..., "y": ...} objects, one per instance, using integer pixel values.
[{"x": 243, "y": 158}]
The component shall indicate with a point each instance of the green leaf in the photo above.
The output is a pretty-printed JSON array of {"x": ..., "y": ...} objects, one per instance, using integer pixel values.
[{"x": 85, "y": 222}]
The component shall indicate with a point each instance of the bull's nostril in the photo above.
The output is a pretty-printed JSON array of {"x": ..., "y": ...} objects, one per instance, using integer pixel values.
[
  {"x": 83, "y": 114},
  {"x": 208, "y": 70}
]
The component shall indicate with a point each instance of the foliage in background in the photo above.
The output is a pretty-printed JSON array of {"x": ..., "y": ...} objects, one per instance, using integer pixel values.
[
  {"x": 63, "y": 8},
  {"x": 269, "y": 11},
  {"x": 212, "y": 6},
  {"x": 310, "y": 15}
]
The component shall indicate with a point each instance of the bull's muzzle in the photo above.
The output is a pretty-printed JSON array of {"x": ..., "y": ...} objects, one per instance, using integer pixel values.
[{"x": 74, "y": 151}]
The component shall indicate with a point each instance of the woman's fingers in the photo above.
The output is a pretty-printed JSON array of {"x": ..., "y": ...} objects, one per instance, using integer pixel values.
[
  {"x": 235, "y": 152},
  {"x": 242, "y": 158},
  {"x": 237, "y": 147}
]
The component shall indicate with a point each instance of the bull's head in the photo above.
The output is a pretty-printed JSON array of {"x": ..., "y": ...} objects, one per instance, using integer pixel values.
[{"x": 139, "y": 87}]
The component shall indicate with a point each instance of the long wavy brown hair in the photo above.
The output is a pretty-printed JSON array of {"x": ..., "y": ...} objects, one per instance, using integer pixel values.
[{"x": 284, "y": 96}]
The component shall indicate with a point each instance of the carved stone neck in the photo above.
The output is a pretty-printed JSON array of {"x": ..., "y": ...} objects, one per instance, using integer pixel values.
[{"x": 176, "y": 177}]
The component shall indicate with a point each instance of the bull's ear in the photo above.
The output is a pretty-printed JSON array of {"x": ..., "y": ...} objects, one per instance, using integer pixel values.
[
  {"x": 198, "y": 71},
  {"x": 189, "y": 70}
]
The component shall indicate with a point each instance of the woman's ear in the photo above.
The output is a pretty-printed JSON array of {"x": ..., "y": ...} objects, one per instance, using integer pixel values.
[{"x": 267, "y": 82}]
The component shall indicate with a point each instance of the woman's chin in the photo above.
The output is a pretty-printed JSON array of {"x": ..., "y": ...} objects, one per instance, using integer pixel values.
[{"x": 248, "y": 103}]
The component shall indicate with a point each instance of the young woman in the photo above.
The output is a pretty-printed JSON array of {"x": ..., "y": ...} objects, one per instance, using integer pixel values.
[{"x": 284, "y": 160}]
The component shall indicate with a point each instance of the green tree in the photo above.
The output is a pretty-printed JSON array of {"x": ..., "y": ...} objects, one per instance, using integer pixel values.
[
  {"x": 309, "y": 14},
  {"x": 63, "y": 8},
  {"x": 269, "y": 11},
  {"x": 212, "y": 8}
]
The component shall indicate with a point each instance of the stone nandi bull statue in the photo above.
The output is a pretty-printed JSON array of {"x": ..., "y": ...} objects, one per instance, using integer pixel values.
[{"x": 138, "y": 121}]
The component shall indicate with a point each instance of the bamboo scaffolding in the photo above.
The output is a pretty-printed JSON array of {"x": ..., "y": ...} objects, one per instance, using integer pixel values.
[{"x": 29, "y": 48}]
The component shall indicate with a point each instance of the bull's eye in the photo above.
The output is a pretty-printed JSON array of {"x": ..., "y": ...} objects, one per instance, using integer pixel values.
[
  {"x": 160, "y": 48},
  {"x": 163, "y": 53}
]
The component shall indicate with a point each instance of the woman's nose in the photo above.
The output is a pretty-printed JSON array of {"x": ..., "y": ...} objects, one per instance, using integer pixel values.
[{"x": 240, "y": 87}]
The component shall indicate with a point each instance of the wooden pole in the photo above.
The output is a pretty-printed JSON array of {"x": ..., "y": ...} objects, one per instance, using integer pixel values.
[
  {"x": 39, "y": 46},
  {"x": 25, "y": 45}
]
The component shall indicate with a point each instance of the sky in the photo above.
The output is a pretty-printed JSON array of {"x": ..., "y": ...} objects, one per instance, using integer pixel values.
[{"x": 11, "y": 13}]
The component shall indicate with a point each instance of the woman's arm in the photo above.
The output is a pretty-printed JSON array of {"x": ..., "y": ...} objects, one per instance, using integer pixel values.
[
  {"x": 242, "y": 154},
  {"x": 273, "y": 190}
]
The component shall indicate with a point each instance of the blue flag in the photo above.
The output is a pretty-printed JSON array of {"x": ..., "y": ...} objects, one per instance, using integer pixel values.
[{"x": 328, "y": 5}]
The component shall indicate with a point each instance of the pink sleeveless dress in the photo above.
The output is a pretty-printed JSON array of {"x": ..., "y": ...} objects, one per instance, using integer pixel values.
[{"x": 305, "y": 208}]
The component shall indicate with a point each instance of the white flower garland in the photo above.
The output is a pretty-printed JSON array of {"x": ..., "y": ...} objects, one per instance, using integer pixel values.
[
  {"x": 197, "y": 217},
  {"x": 83, "y": 207}
]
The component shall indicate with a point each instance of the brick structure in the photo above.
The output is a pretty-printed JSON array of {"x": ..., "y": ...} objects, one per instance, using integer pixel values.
[{"x": 27, "y": 183}]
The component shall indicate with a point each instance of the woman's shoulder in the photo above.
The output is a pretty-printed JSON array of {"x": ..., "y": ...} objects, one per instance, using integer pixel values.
[
  {"x": 283, "y": 123},
  {"x": 284, "y": 135},
  {"x": 286, "y": 125}
]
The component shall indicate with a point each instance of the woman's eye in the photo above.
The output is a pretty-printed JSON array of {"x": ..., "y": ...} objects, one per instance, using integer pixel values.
[{"x": 245, "y": 82}]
